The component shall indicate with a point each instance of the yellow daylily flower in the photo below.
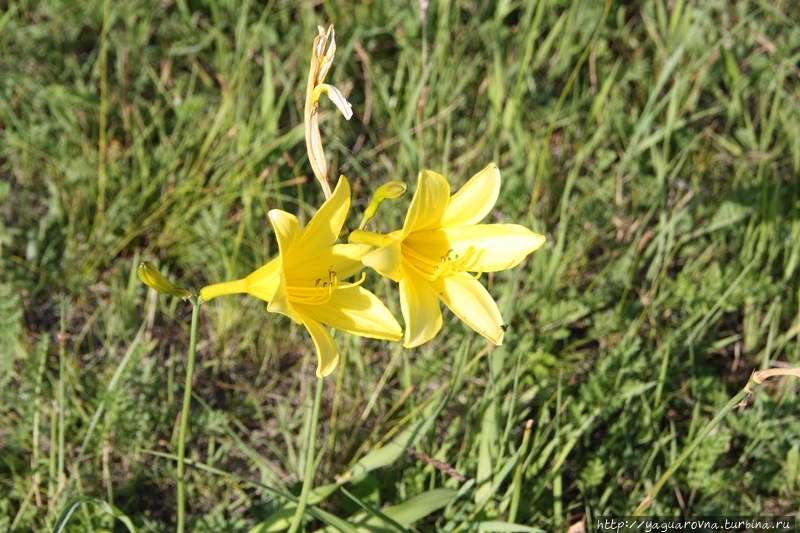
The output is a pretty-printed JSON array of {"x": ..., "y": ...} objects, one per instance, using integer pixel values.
[
  {"x": 303, "y": 282},
  {"x": 321, "y": 62},
  {"x": 440, "y": 243}
]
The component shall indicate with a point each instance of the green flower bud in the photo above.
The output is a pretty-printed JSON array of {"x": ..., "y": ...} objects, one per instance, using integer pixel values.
[
  {"x": 388, "y": 191},
  {"x": 391, "y": 190},
  {"x": 151, "y": 277}
]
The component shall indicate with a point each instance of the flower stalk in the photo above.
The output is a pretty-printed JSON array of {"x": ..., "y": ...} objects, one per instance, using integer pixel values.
[
  {"x": 308, "y": 476},
  {"x": 187, "y": 400}
]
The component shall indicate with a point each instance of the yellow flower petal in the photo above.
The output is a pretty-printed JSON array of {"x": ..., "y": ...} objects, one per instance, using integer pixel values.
[
  {"x": 473, "y": 304},
  {"x": 209, "y": 292},
  {"x": 287, "y": 229},
  {"x": 357, "y": 311},
  {"x": 264, "y": 282},
  {"x": 432, "y": 244},
  {"x": 281, "y": 302},
  {"x": 373, "y": 240},
  {"x": 346, "y": 259},
  {"x": 491, "y": 247},
  {"x": 420, "y": 306},
  {"x": 386, "y": 261},
  {"x": 429, "y": 203},
  {"x": 474, "y": 200},
  {"x": 324, "y": 227},
  {"x": 327, "y": 351}
]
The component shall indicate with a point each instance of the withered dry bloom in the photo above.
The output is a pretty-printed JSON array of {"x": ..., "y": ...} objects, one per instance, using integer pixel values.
[{"x": 321, "y": 62}]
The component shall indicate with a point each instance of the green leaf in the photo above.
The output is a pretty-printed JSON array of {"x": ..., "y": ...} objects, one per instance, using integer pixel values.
[
  {"x": 106, "y": 507},
  {"x": 281, "y": 518},
  {"x": 420, "y": 506},
  {"x": 404, "y": 514},
  {"x": 502, "y": 527},
  {"x": 486, "y": 455}
]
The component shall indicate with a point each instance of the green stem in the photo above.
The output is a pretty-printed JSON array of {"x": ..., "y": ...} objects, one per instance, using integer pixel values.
[
  {"x": 187, "y": 400},
  {"x": 308, "y": 477},
  {"x": 62, "y": 405},
  {"x": 101, "y": 148}
]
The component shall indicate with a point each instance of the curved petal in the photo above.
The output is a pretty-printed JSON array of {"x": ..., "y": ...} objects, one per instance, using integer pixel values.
[
  {"x": 327, "y": 351},
  {"x": 490, "y": 247},
  {"x": 343, "y": 259},
  {"x": 429, "y": 203},
  {"x": 357, "y": 311},
  {"x": 287, "y": 230},
  {"x": 324, "y": 227},
  {"x": 264, "y": 282},
  {"x": 386, "y": 261},
  {"x": 347, "y": 259},
  {"x": 337, "y": 98},
  {"x": 420, "y": 306},
  {"x": 432, "y": 245},
  {"x": 474, "y": 200},
  {"x": 280, "y": 302},
  {"x": 371, "y": 239},
  {"x": 473, "y": 304},
  {"x": 209, "y": 292}
]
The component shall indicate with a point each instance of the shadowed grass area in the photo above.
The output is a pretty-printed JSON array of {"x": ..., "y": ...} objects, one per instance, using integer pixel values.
[{"x": 657, "y": 148}]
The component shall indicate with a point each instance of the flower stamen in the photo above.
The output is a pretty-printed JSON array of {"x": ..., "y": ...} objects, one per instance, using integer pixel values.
[
  {"x": 320, "y": 293},
  {"x": 448, "y": 264},
  {"x": 355, "y": 283},
  {"x": 323, "y": 289}
]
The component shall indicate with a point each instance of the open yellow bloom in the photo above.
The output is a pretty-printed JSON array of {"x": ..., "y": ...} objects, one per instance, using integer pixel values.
[
  {"x": 441, "y": 241},
  {"x": 304, "y": 284}
]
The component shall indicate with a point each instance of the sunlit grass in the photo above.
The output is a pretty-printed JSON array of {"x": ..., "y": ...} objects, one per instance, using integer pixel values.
[{"x": 661, "y": 162}]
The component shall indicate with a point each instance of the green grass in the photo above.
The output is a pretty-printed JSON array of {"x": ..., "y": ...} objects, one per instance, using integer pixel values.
[{"x": 658, "y": 150}]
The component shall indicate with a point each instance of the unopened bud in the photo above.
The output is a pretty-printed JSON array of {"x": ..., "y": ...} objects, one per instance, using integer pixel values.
[
  {"x": 388, "y": 191},
  {"x": 151, "y": 277},
  {"x": 391, "y": 190}
]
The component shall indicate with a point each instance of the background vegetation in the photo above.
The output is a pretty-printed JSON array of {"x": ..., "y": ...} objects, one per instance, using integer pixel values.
[{"x": 658, "y": 149}]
